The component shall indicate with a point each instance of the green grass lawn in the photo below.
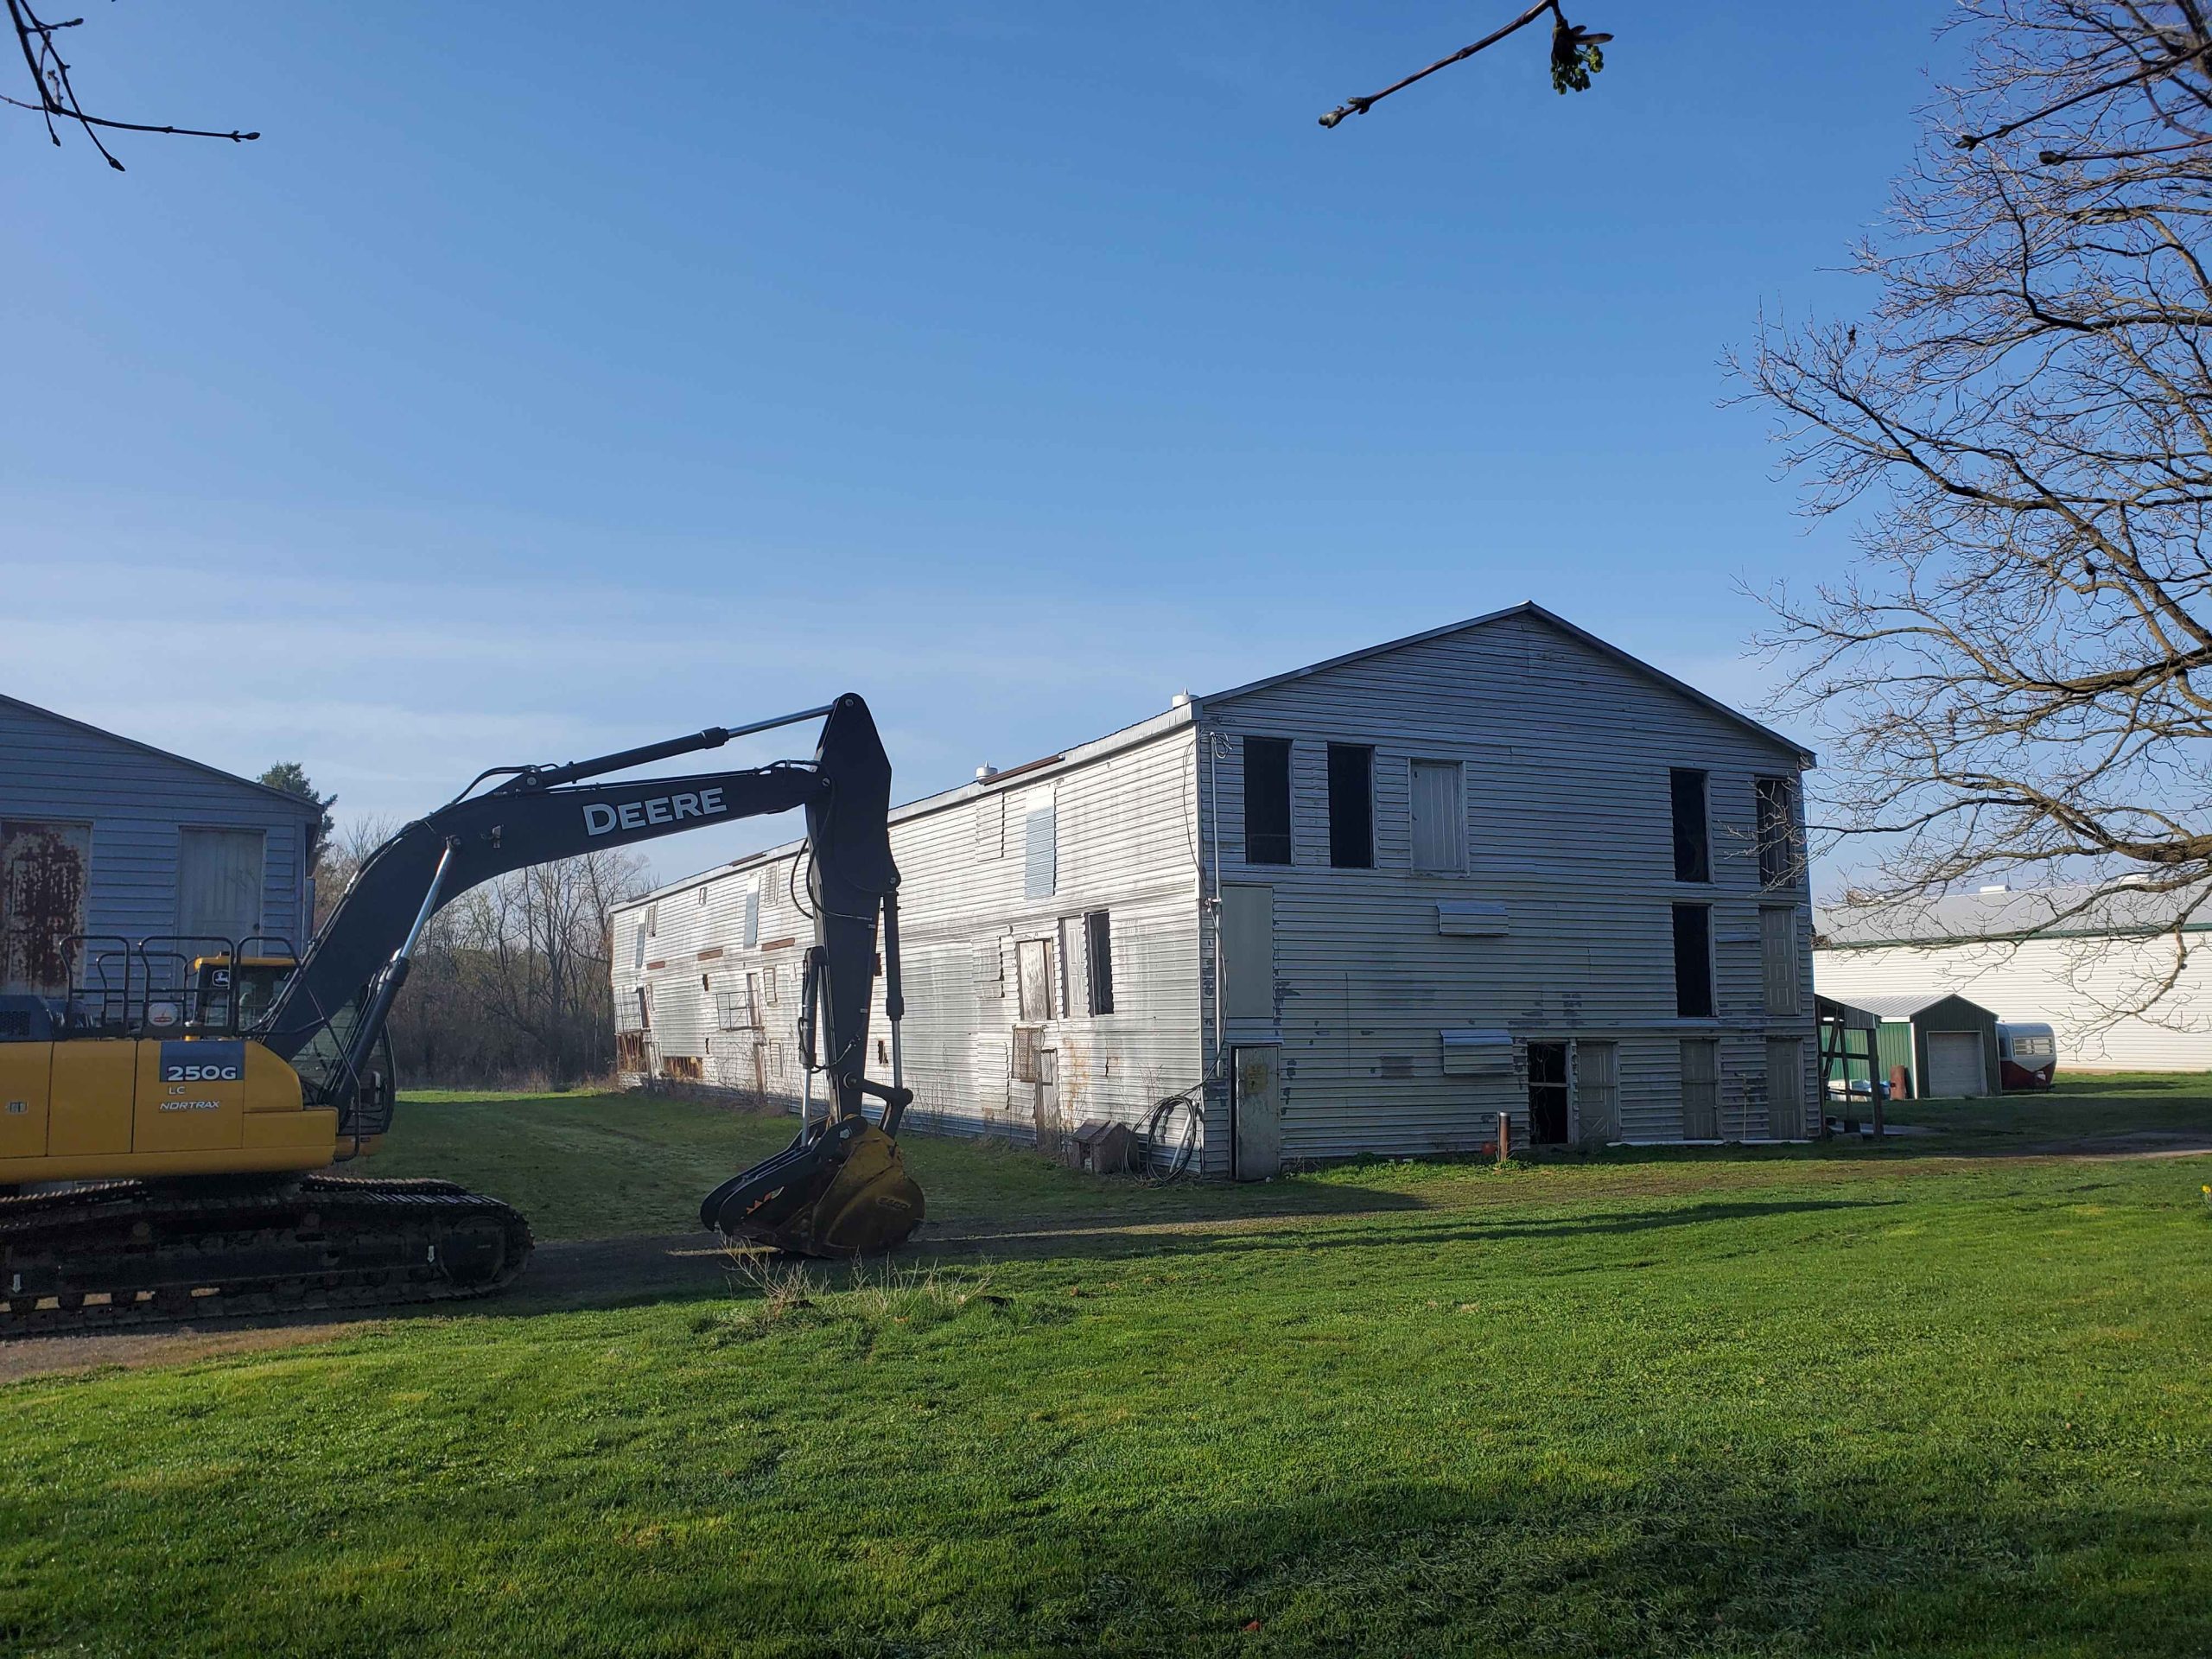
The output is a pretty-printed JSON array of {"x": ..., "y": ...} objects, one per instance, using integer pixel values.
[{"x": 1845, "y": 1399}]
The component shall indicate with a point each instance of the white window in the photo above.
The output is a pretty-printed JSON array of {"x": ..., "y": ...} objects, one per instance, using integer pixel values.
[
  {"x": 753, "y": 916},
  {"x": 638, "y": 942},
  {"x": 1440, "y": 816},
  {"x": 652, "y": 920}
]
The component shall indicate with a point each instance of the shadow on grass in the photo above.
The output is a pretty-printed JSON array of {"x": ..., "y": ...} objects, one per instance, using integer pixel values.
[
  {"x": 1736, "y": 1557},
  {"x": 1050, "y": 1239}
]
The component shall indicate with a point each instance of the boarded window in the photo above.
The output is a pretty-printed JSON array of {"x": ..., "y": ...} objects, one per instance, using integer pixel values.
[
  {"x": 1701, "y": 1088},
  {"x": 1074, "y": 963},
  {"x": 218, "y": 883},
  {"x": 1267, "y": 800},
  {"x": 753, "y": 916},
  {"x": 1778, "y": 958},
  {"x": 769, "y": 986},
  {"x": 1598, "y": 1092},
  {"x": 1034, "y": 976},
  {"x": 1440, "y": 816},
  {"x": 1693, "y": 961},
  {"x": 1351, "y": 806},
  {"x": 1785, "y": 1089},
  {"x": 1098, "y": 950},
  {"x": 1247, "y": 950},
  {"x": 1040, "y": 853},
  {"x": 990, "y": 827},
  {"x": 1693, "y": 844},
  {"x": 644, "y": 1008},
  {"x": 990, "y": 969},
  {"x": 652, "y": 920},
  {"x": 42, "y": 869},
  {"x": 1775, "y": 805}
]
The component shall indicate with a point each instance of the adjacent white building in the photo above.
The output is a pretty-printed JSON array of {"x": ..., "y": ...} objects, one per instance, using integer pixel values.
[
  {"x": 1365, "y": 906},
  {"x": 2053, "y": 955}
]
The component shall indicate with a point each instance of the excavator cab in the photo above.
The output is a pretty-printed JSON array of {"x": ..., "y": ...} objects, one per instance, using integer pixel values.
[{"x": 214, "y": 981}]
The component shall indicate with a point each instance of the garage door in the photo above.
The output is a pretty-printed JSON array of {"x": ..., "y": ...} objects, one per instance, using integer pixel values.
[{"x": 1955, "y": 1064}]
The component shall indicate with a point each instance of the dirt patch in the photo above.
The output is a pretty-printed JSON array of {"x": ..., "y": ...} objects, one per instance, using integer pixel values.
[{"x": 580, "y": 1273}]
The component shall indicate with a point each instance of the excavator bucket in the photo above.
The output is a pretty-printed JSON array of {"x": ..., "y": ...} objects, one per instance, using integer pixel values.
[{"x": 840, "y": 1189}]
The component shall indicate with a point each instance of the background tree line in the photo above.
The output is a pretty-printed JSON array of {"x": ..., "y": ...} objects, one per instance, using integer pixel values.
[{"x": 511, "y": 984}]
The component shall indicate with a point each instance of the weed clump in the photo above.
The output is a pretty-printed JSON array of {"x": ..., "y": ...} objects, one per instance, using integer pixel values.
[{"x": 778, "y": 1293}]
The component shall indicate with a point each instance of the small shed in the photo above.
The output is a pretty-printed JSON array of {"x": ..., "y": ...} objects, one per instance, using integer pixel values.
[{"x": 1947, "y": 1045}]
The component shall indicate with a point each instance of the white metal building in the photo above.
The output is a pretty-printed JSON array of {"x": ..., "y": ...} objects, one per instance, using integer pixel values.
[
  {"x": 1364, "y": 906},
  {"x": 2029, "y": 956}
]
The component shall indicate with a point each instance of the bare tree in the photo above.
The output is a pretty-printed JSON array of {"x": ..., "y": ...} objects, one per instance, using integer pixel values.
[
  {"x": 538, "y": 946},
  {"x": 2014, "y": 672},
  {"x": 40, "y": 43},
  {"x": 1577, "y": 55}
]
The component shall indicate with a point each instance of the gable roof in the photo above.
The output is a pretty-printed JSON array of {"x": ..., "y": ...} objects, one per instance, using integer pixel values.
[
  {"x": 1581, "y": 635},
  {"x": 1182, "y": 714},
  {"x": 300, "y": 802},
  {"x": 1902, "y": 1005}
]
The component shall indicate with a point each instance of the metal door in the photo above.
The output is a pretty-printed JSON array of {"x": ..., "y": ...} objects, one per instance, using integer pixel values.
[
  {"x": 1954, "y": 1066},
  {"x": 218, "y": 883},
  {"x": 1255, "y": 1108},
  {"x": 1701, "y": 1088},
  {"x": 1785, "y": 1089}
]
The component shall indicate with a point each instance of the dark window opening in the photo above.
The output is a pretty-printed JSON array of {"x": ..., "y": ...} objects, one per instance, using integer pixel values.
[
  {"x": 1267, "y": 800},
  {"x": 1351, "y": 806},
  {"x": 1693, "y": 961},
  {"x": 1693, "y": 850},
  {"x": 1776, "y": 810},
  {"x": 1547, "y": 1094},
  {"x": 1098, "y": 956}
]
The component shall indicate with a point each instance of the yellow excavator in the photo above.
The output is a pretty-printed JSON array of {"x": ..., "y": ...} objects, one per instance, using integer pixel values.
[{"x": 167, "y": 1128}]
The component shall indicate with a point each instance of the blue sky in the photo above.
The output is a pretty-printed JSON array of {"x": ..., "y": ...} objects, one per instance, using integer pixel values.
[{"x": 531, "y": 389}]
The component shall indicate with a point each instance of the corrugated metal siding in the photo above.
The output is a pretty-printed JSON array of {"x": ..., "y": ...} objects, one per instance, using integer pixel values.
[
  {"x": 1567, "y": 754},
  {"x": 2060, "y": 983},
  {"x": 137, "y": 802}
]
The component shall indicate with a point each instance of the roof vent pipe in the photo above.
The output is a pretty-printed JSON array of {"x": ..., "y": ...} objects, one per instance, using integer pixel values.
[
  {"x": 1997, "y": 886},
  {"x": 987, "y": 770},
  {"x": 1181, "y": 700}
]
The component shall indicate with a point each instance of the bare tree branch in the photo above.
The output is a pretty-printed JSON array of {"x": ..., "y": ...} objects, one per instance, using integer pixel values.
[
  {"x": 2018, "y": 675},
  {"x": 57, "y": 96},
  {"x": 1575, "y": 57}
]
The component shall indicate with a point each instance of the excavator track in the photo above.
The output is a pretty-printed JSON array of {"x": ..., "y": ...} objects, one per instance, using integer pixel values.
[{"x": 123, "y": 1252}]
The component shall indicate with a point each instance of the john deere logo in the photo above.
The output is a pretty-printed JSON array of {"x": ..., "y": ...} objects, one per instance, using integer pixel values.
[{"x": 600, "y": 819}]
